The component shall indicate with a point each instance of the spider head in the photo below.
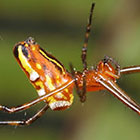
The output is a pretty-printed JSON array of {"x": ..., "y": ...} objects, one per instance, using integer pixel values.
[{"x": 108, "y": 69}]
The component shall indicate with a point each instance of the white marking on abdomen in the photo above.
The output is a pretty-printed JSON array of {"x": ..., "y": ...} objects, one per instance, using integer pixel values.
[
  {"x": 41, "y": 92},
  {"x": 59, "y": 104},
  {"x": 33, "y": 75}
]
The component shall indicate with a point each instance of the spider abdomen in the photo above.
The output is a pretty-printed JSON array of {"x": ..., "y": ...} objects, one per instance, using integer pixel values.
[{"x": 45, "y": 73}]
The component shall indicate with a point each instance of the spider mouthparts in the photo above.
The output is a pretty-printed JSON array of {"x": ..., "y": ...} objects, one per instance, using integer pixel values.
[{"x": 30, "y": 40}]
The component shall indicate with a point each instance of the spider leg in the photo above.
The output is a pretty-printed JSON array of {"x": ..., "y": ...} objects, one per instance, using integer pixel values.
[
  {"x": 35, "y": 101},
  {"x": 28, "y": 121},
  {"x": 78, "y": 91},
  {"x": 119, "y": 93},
  {"x": 131, "y": 69},
  {"x": 20, "y": 107},
  {"x": 83, "y": 93},
  {"x": 88, "y": 29},
  {"x": 84, "y": 54}
]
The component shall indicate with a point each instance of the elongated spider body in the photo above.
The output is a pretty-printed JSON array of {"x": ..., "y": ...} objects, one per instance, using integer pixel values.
[{"x": 55, "y": 85}]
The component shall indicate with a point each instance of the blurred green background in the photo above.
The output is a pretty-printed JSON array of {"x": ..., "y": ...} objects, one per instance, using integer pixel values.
[{"x": 59, "y": 27}]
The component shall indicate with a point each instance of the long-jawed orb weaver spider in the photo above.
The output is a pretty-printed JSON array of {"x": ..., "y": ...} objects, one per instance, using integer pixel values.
[{"x": 55, "y": 85}]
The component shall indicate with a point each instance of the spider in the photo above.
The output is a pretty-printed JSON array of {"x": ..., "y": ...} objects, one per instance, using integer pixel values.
[{"x": 55, "y": 85}]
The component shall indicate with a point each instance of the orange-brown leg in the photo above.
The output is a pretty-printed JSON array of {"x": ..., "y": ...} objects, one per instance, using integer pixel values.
[
  {"x": 28, "y": 121},
  {"x": 84, "y": 54},
  {"x": 37, "y": 100},
  {"x": 88, "y": 29},
  {"x": 131, "y": 69},
  {"x": 78, "y": 91},
  {"x": 82, "y": 94},
  {"x": 113, "y": 88},
  {"x": 20, "y": 107}
]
